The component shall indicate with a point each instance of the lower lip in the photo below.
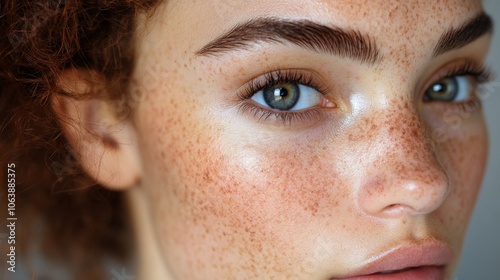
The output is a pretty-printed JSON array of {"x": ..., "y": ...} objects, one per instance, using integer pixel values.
[{"x": 419, "y": 273}]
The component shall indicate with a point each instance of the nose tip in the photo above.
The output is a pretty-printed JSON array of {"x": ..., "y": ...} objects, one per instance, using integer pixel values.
[{"x": 393, "y": 196}]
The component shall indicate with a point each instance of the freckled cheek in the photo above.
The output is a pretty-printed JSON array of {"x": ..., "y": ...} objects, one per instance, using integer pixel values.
[
  {"x": 262, "y": 192},
  {"x": 285, "y": 192},
  {"x": 268, "y": 183},
  {"x": 464, "y": 160}
]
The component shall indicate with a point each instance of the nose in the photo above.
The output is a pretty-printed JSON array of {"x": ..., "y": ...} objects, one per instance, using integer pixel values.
[{"x": 402, "y": 174}]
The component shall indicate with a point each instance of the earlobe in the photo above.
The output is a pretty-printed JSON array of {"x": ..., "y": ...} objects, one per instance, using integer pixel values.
[{"x": 105, "y": 144}]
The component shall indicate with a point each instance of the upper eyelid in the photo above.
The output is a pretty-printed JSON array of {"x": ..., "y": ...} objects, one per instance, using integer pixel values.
[
  {"x": 308, "y": 77},
  {"x": 457, "y": 67}
]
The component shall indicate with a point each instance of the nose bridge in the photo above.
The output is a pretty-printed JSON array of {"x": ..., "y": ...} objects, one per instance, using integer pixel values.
[
  {"x": 408, "y": 145},
  {"x": 405, "y": 175}
]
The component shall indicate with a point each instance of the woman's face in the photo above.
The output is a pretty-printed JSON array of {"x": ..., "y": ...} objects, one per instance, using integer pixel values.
[{"x": 317, "y": 140}]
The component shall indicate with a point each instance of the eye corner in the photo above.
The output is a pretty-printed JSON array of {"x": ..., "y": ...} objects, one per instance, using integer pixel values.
[{"x": 328, "y": 104}]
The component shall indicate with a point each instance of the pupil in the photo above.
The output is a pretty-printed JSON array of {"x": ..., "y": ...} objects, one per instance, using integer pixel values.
[
  {"x": 279, "y": 93},
  {"x": 439, "y": 88},
  {"x": 283, "y": 92}
]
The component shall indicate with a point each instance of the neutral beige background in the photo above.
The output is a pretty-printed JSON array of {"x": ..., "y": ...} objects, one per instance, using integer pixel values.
[{"x": 481, "y": 255}]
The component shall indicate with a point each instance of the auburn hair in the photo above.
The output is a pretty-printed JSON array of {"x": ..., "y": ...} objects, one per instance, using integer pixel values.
[{"x": 62, "y": 213}]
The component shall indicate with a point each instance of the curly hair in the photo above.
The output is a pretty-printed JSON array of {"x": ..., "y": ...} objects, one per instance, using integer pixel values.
[{"x": 60, "y": 210}]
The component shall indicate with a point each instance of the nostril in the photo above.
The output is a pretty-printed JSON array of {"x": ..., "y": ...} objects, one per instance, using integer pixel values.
[
  {"x": 395, "y": 209},
  {"x": 392, "y": 206}
]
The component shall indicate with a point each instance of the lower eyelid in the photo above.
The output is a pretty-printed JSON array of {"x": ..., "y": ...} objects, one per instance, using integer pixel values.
[{"x": 298, "y": 118}]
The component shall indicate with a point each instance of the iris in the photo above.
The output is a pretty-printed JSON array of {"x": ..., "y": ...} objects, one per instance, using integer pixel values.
[{"x": 282, "y": 97}]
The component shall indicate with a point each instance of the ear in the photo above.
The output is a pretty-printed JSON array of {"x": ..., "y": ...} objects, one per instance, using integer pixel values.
[{"x": 105, "y": 144}]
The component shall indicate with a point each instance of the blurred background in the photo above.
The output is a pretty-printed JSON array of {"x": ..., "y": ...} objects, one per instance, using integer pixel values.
[{"x": 481, "y": 254}]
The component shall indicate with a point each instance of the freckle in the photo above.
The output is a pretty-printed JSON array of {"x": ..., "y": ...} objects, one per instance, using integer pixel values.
[{"x": 350, "y": 137}]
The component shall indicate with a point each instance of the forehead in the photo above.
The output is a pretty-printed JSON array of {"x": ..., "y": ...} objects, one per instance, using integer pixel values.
[{"x": 367, "y": 14}]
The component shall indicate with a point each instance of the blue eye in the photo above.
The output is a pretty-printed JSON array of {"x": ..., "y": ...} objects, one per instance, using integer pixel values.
[
  {"x": 450, "y": 89},
  {"x": 288, "y": 97}
]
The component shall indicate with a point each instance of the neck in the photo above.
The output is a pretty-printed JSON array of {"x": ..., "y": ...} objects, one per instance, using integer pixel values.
[{"x": 150, "y": 261}]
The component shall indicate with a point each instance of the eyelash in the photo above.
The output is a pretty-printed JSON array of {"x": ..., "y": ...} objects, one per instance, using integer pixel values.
[
  {"x": 281, "y": 77},
  {"x": 480, "y": 75}
]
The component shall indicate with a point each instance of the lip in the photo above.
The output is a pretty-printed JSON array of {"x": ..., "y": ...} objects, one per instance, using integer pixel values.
[{"x": 423, "y": 260}]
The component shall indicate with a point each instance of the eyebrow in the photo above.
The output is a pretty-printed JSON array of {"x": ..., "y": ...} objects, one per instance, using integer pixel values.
[
  {"x": 465, "y": 34},
  {"x": 332, "y": 40},
  {"x": 303, "y": 33}
]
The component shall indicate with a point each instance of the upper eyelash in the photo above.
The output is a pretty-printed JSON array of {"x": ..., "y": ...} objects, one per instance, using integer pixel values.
[
  {"x": 281, "y": 77},
  {"x": 482, "y": 74}
]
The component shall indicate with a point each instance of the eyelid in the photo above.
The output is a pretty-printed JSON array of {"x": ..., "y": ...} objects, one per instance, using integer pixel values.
[
  {"x": 297, "y": 118},
  {"x": 306, "y": 77},
  {"x": 465, "y": 67}
]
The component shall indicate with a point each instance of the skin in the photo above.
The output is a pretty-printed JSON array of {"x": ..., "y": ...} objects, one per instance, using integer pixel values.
[{"x": 225, "y": 195}]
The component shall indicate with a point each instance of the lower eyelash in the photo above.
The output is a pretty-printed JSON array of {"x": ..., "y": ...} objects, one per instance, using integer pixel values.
[
  {"x": 469, "y": 106},
  {"x": 286, "y": 118}
]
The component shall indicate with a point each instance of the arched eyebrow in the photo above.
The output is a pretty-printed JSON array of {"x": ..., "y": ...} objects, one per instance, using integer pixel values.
[
  {"x": 332, "y": 40},
  {"x": 303, "y": 33},
  {"x": 465, "y": 34}
]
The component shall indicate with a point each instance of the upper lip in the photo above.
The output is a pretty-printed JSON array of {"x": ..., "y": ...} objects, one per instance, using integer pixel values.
[{"x": 428, "y": 253}]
